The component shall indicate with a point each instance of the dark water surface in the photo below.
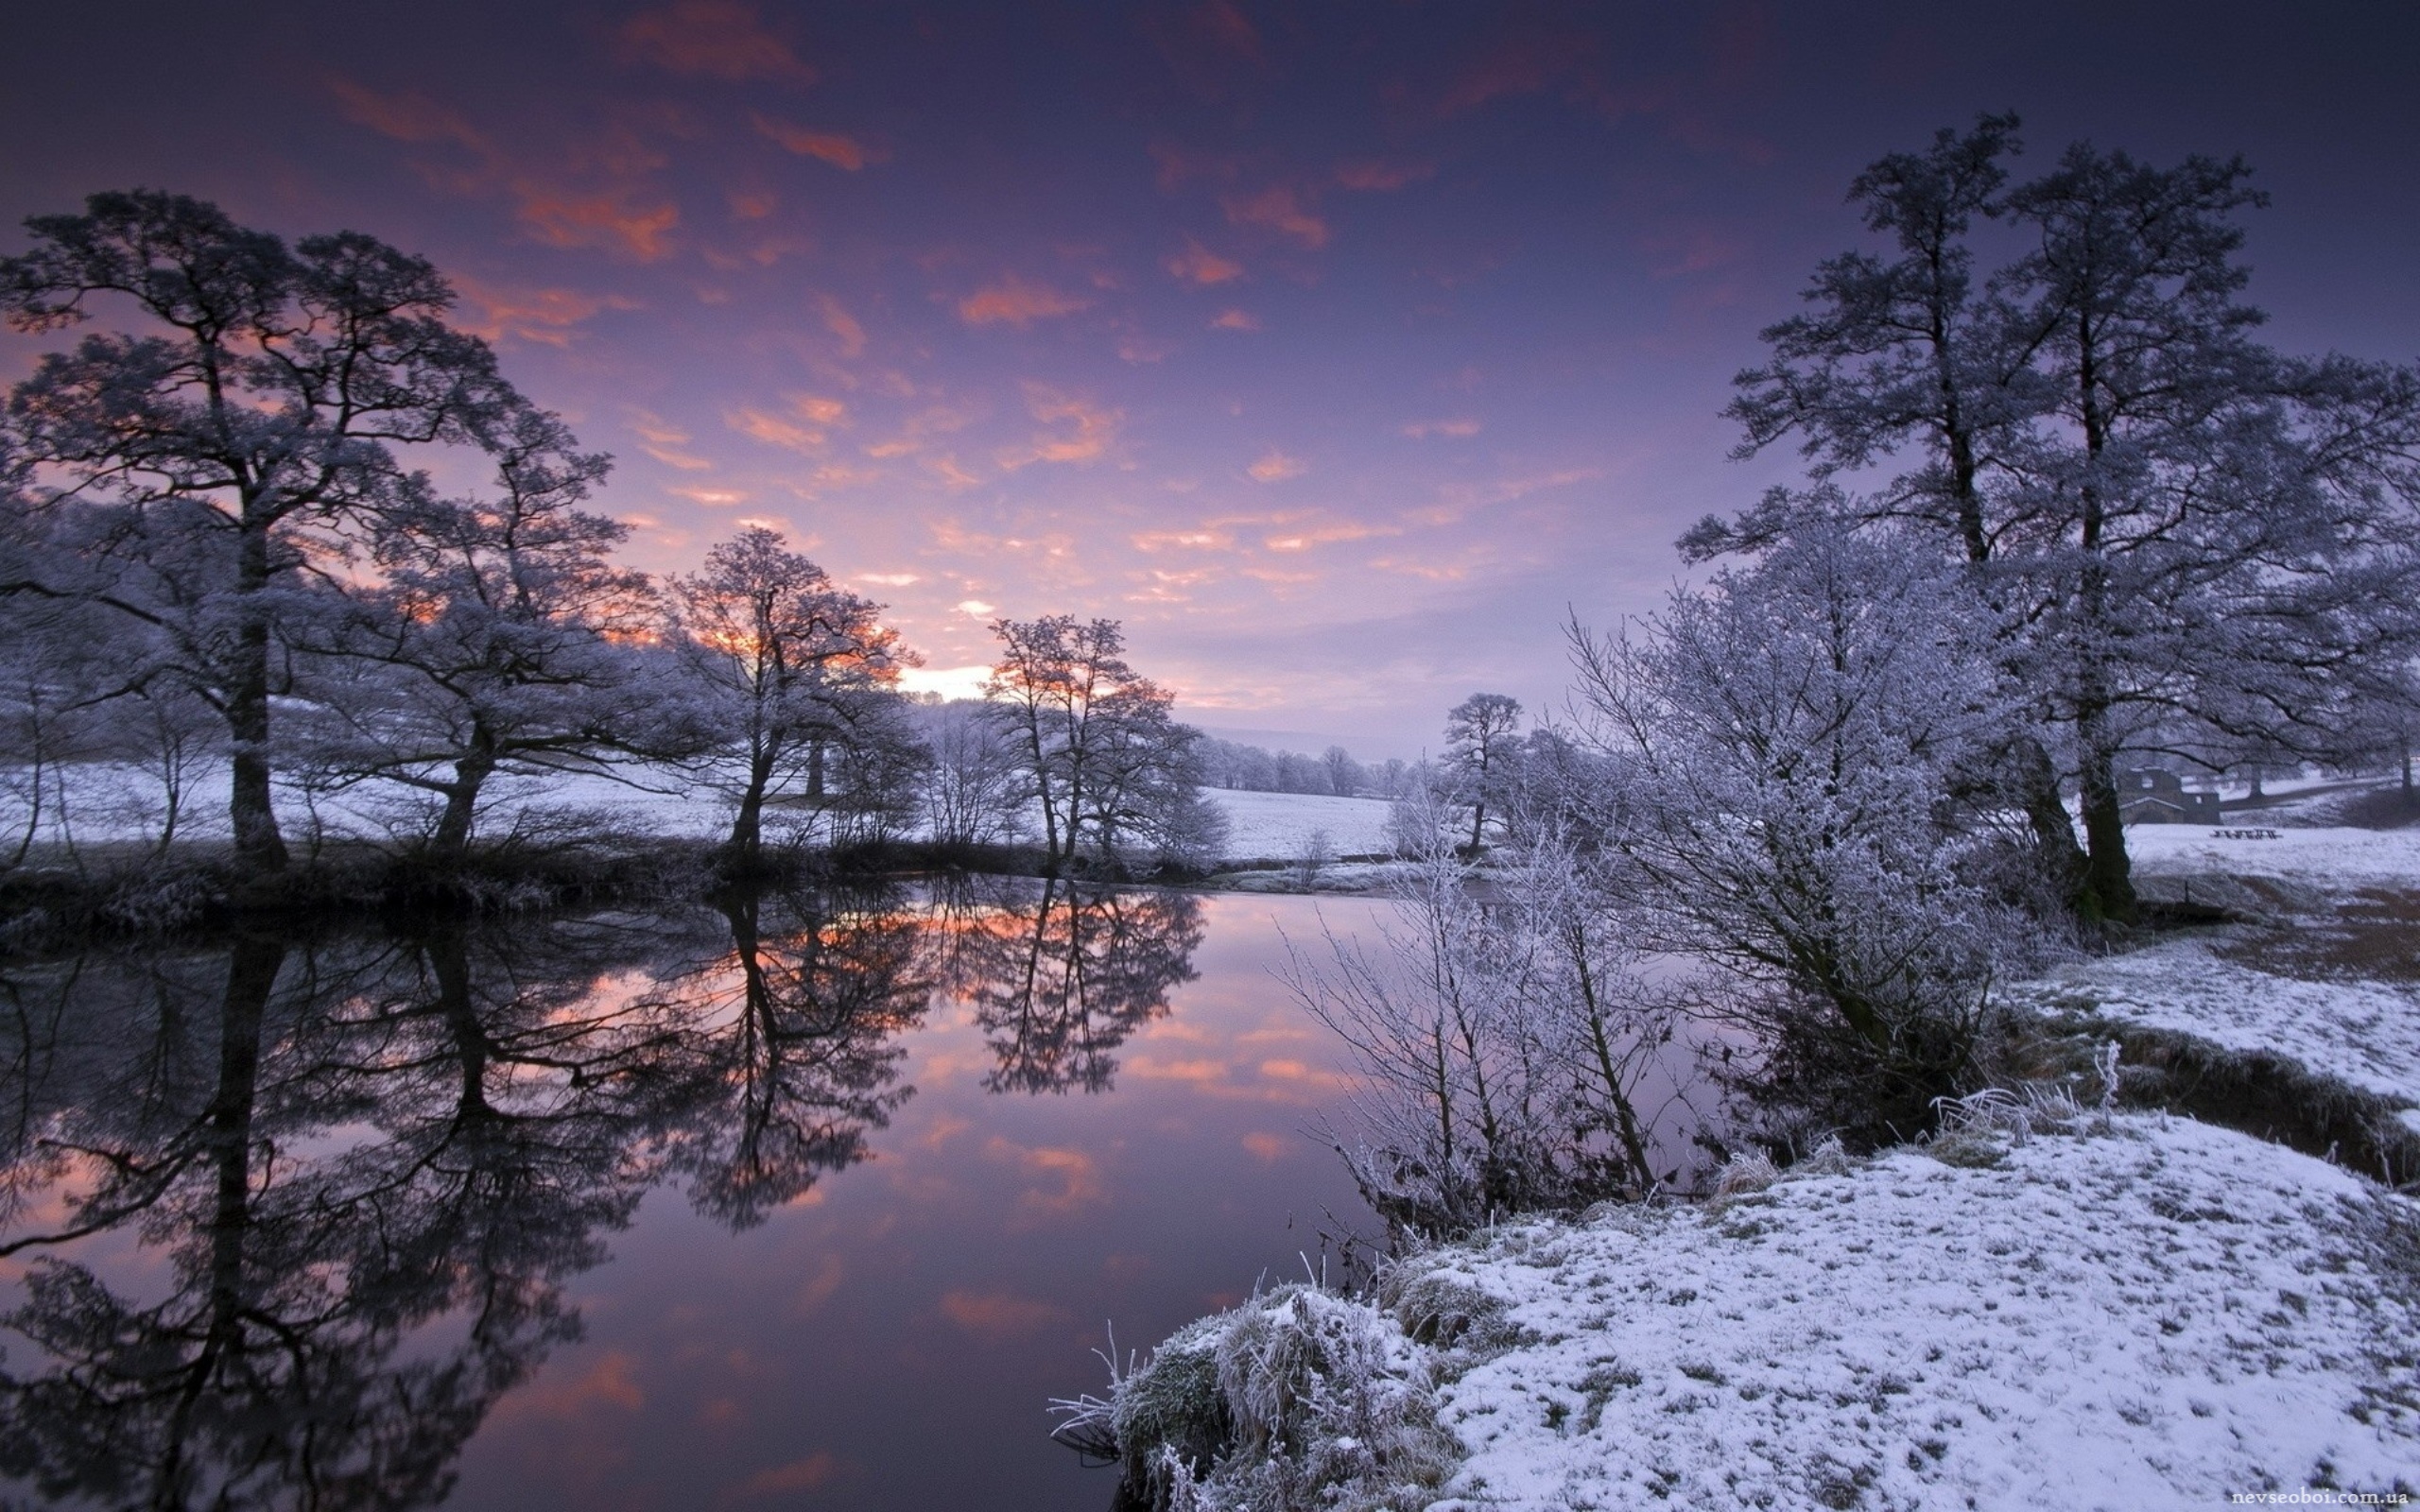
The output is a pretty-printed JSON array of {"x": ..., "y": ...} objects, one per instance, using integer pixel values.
[{"x": 808, "y": 1201}]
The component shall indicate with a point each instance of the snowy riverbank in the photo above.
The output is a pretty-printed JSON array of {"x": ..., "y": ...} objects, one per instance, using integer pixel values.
[{"x": 2137, "y": 1310}]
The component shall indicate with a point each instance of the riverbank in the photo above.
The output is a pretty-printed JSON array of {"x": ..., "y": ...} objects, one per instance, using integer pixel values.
[{"x": 2078, "y": 1308}]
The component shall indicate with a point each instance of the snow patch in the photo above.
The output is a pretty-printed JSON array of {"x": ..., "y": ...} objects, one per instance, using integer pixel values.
[{"x": 2155, "y": 1318}]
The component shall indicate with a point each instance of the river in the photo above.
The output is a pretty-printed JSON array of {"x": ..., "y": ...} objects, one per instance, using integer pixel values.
[{"x": 800, "y": 1201}]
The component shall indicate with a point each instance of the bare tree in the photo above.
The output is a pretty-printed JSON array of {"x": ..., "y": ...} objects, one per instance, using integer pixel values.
[
  {"x": 1103, "y": 758},
  {"x": 973, "y": 787},
  {"x": 794, "y": 667},
  {"x": 500, "y": 640}
]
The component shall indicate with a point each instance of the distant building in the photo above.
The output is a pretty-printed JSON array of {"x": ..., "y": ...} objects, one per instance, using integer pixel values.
[{"x": 2152, "y": 796}]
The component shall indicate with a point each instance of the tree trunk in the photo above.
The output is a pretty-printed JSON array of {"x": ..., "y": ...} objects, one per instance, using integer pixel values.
[
  {"x": 2108, "y": 891},
  {"x": 259, "y": 847},
  {"x": 748, "y": 827},
  {"x": 471, "y": 773}
]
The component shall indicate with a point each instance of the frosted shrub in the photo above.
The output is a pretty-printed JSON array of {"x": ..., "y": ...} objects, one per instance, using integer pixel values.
[{"x": 1298, "y": 1400}]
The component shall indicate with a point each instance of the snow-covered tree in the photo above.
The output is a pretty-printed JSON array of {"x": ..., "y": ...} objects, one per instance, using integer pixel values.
[
  {"x": 1780, "y": 748},
  {"x": 971, "y": 786},
  {"x": 798, "y": 672},
  {"x": 501, "y": 637},
  {"x": 1480, "y": 733},
  {"x": 232, "y": 443},
  {"x": 2188, "y": 542},
  {"x": 1106, "y": 763}
]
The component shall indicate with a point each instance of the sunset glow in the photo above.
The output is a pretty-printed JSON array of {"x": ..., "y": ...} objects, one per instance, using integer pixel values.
[{"x": 1341, "y": 351}]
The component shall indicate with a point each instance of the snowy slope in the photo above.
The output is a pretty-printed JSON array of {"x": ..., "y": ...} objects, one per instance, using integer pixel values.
[
  {"x": 2151, "y": 1319},
  {"x": 1278, "y": 826},
  {"x": 2365, "y": 1032}
]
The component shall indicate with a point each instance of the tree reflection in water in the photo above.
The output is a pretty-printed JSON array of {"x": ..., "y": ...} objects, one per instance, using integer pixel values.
[
  {"x": 1060, "y": 973},
  {"x": 360, "y": 1171}
]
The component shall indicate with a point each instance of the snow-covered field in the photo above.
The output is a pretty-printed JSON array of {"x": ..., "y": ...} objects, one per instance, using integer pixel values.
[
  {"x": 2327, "y": 859},
  {"x": 2154, "y": 1317},
  {"x": 1279, "y": 826},
  {"x": 111, "y": 803}
]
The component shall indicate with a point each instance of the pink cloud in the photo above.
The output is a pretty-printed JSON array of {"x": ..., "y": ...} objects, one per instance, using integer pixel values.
[
  {"x": 1235, "y": 321},
  {"x": 831, "y": 146},
  {"x": 713, "y": 39},
  {"x": 547, "y": 316},
  {"x": 1276, "y": 467},
  {"x": 1421, "y": 428},
  {"x": 841, "y": 324},
  {"x": 999, "y": 1316},
  {"x": 1199, "y": 265},
  {"x": 1372, "y": 175},
  {"x": 1278, "y": 209},
  {"x": 1085, "y": 431},
  {"x": 798, "y": 1475},
  {"x": 1014, "y": 301}
]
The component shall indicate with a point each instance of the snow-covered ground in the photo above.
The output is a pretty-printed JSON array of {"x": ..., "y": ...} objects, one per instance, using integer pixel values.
[
  {"x": 2154, "y": 1317},
  {"x": 1280, "y": 826},
  {"x": 2363, "y": 1031},
  {"x": 2141, "y": 1311},
  {"x": 116, "y": 803},
  {"x": 2329, "y": 859}
]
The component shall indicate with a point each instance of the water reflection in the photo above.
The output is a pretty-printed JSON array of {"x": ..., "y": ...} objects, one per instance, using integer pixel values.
[
  {"x": 1060, "y": 978},
  {"x": 288, "y": 1218}
]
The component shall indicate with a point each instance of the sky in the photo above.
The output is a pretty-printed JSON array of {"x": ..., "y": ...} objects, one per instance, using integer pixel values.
[{"x": 1342, "y": 352}]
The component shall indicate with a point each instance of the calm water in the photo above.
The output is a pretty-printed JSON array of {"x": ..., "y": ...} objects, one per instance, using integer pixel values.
[{"x": 807, "y": 1203}]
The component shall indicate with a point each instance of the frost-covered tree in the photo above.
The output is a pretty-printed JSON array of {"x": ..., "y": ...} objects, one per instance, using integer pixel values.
[
  {"x": 1105, "y": 762},
  {"x": 972, "y": 783},
  {"x": 235, "y": 440},
  {"x": 1344, "y": 775},
  {"x": 1780, "y": 748},
  {"x": 1480, "y": 731},
  {"x": 499, "y": 638},
  {"x": 2190, "y": 541},
  {"x": 795, "y": 670}
]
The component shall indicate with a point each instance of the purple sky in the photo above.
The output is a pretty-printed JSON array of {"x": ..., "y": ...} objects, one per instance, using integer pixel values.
[{"x": 1336, "y": 349}]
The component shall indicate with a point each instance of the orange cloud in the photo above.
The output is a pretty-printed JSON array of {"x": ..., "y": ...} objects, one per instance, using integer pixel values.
[
  {"x": 406, "y": 117},
  {"x": 1276, "y": 467},
  {"x": 806, "y": 432},
  {"x": 1278, "y": 209},
  {"x": 1014, "y": 301},
  {"x": 1199, "y": 265},
  {"x": 661, "y": 440},
  {"x": 1093, "y": 429},
  {"x": 598, "y": 220},
  {"x": 752, "y": 206},
  {"x": 831, "y": 146},
  {"x": 1235, "y": 321},
  {"x": 999, "y": 1316},
  {"x": 714, "y": 38},
  {"x": 1377, "y": 175},
  {"x": 798, "y": 1475},
  {"x": 543, "y": 316},
  {"x": 1267, "y": 1148}
]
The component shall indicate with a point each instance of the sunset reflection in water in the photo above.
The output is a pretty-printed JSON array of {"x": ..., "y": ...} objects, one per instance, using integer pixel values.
[{"x": 798, "y": 1200}]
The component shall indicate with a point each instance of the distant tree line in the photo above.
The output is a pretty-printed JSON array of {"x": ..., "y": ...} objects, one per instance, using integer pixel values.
[{"x": 1248, "y": 768}]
